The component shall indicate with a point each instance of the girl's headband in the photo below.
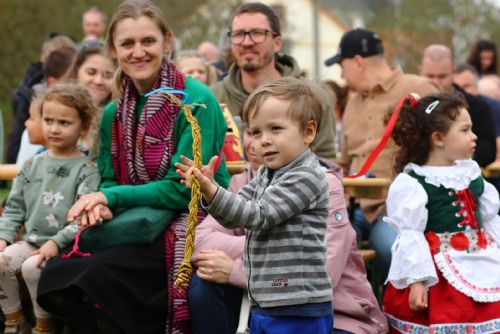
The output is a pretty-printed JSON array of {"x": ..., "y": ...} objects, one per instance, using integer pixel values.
[{"x": 414, "y": 100}]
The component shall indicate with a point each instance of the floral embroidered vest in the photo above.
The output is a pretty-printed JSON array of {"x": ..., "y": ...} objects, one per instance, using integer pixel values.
[{"x": 445, "y": 206}]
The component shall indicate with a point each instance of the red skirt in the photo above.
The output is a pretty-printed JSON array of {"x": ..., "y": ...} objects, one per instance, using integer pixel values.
[{"x": 449, "y": 311}]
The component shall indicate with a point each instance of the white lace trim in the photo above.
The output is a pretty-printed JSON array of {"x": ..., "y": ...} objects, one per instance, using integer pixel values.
[
  {"x": 457, "y": 176},
  {"x": 407, "y": 327},
  {"x": 453, "y": 277},
  {"x": 409, "y": 266}
]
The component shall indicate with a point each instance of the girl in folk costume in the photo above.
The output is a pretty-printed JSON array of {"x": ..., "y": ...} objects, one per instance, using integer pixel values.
[{"x": 445, "y": 270}]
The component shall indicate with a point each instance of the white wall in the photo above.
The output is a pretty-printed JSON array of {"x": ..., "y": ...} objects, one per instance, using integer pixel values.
[{"x": 299, "y": 29}]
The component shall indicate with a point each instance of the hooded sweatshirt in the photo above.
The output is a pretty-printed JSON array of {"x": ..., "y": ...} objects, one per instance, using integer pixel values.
[{"x": 231, "y": 92}]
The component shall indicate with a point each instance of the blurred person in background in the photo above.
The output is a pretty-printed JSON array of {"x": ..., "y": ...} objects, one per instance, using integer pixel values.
[
  {"x": 55, "y": 68},
  {"x": 437, "y": 65},
  {"x": 489, "y": 85},
  {"x": 466, "y": 76},
  {"x": 93, "y": 24},
  {"x": 192, "y": 63},
  {"x": 209, "y": 51},
  {"x": 483, "y": 56},
  {"x": 32, "y": 141},
  {"x": 94, "y": 70},
  {"x": 21, "y": 99}
]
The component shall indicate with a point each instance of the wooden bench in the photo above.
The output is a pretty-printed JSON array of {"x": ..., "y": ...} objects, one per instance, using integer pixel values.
[
  {"x": 492, "y": 170},
  {"x": 9, "y": 171},
  {"x": 370, "y": 188}
]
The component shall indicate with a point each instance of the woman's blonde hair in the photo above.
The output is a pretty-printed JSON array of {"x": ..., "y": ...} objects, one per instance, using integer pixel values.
[{"x": 134, "y": 9}]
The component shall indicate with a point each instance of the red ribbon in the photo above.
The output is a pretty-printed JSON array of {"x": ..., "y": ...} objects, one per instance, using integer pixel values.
[
  {"x": 74, "y": 250},
  {"x": 468, "y": 209},
  {"x": 387, "y": 134}
]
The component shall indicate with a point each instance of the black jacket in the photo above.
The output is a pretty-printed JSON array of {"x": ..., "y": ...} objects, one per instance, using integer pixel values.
[
  {"x": 21, "y": 100},
  {"x": 483, "y": 126}
]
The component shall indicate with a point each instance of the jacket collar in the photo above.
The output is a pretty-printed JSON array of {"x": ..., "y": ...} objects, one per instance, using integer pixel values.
[{"x": 305, "y": 158}]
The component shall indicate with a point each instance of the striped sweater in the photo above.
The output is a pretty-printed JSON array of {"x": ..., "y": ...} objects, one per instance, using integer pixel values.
[{"x": 285, "y": 212}]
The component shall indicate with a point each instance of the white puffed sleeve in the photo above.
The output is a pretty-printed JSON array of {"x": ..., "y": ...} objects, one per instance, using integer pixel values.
[
  {"x": 489, "y": 203},
  {"x": 406, "y": 213}
]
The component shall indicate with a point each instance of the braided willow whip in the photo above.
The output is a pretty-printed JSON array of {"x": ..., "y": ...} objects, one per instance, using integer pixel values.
[{"x": 185, "y": 269}]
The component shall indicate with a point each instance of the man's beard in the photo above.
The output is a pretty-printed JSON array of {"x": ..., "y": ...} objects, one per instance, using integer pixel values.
[{"x": 253, "y": 66}]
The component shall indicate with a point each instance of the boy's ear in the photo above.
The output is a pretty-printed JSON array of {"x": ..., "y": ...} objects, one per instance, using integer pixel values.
[
  {"x": 310, "y": 132},
  {"x": 437, "y": 139}
]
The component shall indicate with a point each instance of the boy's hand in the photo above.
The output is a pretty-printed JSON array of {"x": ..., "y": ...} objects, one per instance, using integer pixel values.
[
  {"x": 418, "y": 296},
  {"x": 46, "y": 252},
  {"x": 3, "y": 245},
  {"x": 208, "y": 187}
]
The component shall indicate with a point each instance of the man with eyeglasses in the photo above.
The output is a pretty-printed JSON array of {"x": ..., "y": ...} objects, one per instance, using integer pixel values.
[{"x": 256, "y": 41}]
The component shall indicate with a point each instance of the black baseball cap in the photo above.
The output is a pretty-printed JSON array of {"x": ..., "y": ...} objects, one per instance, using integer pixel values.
[{"x": 358, "y": 41}]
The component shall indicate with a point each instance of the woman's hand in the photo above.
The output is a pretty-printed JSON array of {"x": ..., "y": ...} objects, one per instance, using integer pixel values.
[
  {"x": 418, "y": 296},
  {"x": 208, "y": 186},
  {"x": 214, "y": 266},
  {"x": 96, "y": 216},
  {"x": 87, "y": 203},
  {"x": 46, "y": 252}
]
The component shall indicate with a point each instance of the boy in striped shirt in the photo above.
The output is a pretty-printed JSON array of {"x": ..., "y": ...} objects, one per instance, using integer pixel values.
[{"x": 284, "y": 208}]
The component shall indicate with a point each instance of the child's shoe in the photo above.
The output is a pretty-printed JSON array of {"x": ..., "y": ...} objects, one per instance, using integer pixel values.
[
  {"x": 44, "y": 326},
  {"x": 15, "y": 323}
]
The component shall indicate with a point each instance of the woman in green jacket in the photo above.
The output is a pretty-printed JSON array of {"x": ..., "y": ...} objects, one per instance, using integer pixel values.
[{"x": 129, "y": 288}]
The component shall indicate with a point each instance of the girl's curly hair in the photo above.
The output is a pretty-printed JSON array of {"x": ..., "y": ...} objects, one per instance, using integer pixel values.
[{"x": 413, "y": 129}]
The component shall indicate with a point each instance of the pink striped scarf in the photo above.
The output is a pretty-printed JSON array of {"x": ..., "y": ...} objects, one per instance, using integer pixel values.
[
  {"x": 178, "y": 317},
  {"x": 141, "y": 150}
]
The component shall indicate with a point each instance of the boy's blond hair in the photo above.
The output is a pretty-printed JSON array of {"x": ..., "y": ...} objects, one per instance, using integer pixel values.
[{"x": 307, "y": 100}]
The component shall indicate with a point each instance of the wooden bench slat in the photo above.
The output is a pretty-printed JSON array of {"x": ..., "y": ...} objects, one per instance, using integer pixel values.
[
  {"x": 492, "y": 170},
  {"x": 9, "y": 171}
]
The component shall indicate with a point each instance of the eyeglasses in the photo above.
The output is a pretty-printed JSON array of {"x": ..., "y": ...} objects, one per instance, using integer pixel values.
[{"x": 256, "y": 35}]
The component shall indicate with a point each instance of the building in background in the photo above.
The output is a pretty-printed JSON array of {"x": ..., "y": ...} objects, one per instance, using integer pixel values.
[{"x": 298, "y": 34}]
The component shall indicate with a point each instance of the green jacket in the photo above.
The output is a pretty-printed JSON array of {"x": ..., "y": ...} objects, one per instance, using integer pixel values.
[
  {"x": 167, "y": 193},
  {"x": 231, "y": 92}
]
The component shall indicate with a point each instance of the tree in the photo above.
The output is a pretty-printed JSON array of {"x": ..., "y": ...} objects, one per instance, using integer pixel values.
[
  {"x": 26, "y": 24},
  {"x": 408, "y": 26},
  {"x": 209, "y": 22}
]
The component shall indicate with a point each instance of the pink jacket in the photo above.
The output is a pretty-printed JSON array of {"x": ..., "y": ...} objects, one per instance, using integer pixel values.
[{"x": 355, "y": 307}]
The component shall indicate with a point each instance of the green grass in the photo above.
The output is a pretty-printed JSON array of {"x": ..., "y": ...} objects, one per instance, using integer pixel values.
[{"x": 4, "y": 193}]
